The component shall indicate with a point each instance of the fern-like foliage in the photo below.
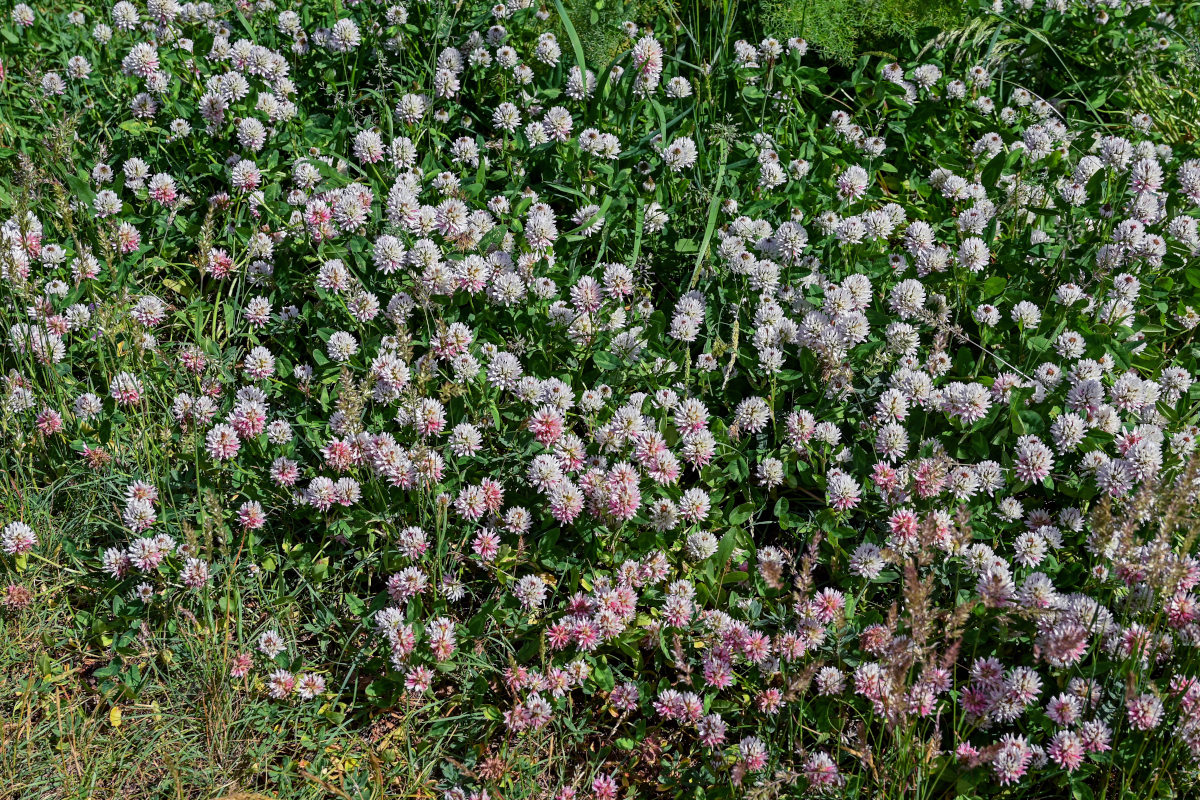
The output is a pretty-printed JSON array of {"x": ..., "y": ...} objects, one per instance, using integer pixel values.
[{"x": 844, "y": 29}]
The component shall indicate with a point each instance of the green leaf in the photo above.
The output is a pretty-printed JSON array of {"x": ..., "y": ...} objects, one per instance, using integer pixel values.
[
  {"x": 991, "y": 173},
  {"x": 604, "y": 677},
  {"x": 81, "y": 189},
  {"x": 725, "y": 548},
  {"x": 1081, "y": 791},
  {"x": 741, "y": 513},
  {"x": 606, "y": 360}
]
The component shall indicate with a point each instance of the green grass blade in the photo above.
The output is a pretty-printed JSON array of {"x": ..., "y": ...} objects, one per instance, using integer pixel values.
[{"x": 576, "y": 45}]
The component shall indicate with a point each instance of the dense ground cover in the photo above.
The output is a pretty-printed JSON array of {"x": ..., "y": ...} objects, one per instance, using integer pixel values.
[{"x": 434, "y": 400}]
